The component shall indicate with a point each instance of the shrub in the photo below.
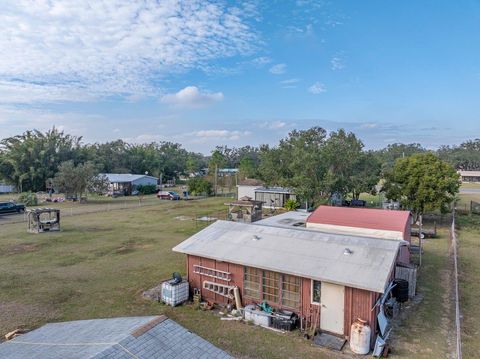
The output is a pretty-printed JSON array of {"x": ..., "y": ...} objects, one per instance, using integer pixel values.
[
  {"x": 199, "y": 185},
  {"x": 291, "y": 205},
  {"x": 147, "y": 189},
  {"x": 28, "y": 199}
]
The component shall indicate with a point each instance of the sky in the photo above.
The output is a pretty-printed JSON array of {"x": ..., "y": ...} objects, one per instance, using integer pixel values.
[{"x": 207, "y": 73}]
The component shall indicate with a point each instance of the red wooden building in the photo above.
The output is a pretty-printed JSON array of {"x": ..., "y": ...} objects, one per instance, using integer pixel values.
[{"x": 295, "y": 269}]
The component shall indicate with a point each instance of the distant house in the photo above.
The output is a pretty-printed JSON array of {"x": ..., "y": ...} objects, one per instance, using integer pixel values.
[
  {"x": 365, "y": 222},
  {"x": 6, "y": 188},
  {"x": 225, "y": 172},
  {"x": 246, "y": 187},
  {"x": 131, "y": 337},
  {"x": 126, "y": 184},
  {"x": 470, "y": 176}
]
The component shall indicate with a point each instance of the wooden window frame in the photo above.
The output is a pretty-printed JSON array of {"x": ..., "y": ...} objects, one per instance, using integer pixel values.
[
  {"x": 311, "y": 291},
  {"x": 285, "y": 291},
  {"x": 276, "y": 287},
  {"x": 279, "y": 302},
  {"x": 259, "y": 283}
]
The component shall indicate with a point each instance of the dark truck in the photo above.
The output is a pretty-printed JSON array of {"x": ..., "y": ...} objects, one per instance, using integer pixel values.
[{"x": 11, "y": 207}]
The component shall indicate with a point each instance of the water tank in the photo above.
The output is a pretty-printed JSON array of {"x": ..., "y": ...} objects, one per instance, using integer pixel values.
[
  {"x": 360, "y": 333},
  {"x": 400, "y": 291},
  {"x": 174, "y": 294},
  {"x": 257, "y": 316}
]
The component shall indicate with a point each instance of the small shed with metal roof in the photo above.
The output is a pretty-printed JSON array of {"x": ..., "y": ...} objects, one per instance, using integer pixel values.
[
  {"x": 274, "y": 197},
  {"x": 469, "y": 176}
]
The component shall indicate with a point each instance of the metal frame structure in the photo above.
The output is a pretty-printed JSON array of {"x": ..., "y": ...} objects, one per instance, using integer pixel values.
[{"x": 43, "y": 220}]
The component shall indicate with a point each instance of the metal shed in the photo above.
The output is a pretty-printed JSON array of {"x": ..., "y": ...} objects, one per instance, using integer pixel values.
[{"x": 274, "y": 197}]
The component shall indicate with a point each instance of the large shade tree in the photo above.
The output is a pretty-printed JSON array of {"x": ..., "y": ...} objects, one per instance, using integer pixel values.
[
  {"x": 422, "y": 182},
  {"x": 297, "y": 162},
  {"x": 76, "y": 180},
  {"x": 28, "y": 160}
]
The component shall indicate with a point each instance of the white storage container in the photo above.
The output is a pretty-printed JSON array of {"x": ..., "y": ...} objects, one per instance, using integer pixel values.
[
  {"x": 174, "y": 294},
  {"x": 360, "y": 337},
  {"x": 257, "y": 316}
]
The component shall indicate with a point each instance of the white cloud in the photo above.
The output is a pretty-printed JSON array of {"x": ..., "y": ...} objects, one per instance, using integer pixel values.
[
  {"x": 146, "y": 138},
  {"x": 191, "y": 96},
  {"x": 203, "y": 136},
  {"x": 76, "y": 50},
  {"x": 290, "y": 83},
  {"x": 261, "y": 61},
  {"x": 221, "y": 134},
  {"x": 369, "y": 125},
  {"x": 16, "y": 120},
  {"x": 317, "y": 88},
  {"x": 337, "y": 63},
  {"x": 274, "y": 125},
  {"x": 278, "y": 69}
]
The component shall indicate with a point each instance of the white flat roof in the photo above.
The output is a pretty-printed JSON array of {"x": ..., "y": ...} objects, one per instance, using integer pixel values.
[
  {"x": 292, "y": 219},
  {"x": 469, "y": 173},
  {"x": 303, "y": 253}
]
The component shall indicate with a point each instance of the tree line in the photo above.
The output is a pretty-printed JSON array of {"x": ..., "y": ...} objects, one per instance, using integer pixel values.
[
  {"x": 30, "y": 159},
  {"x": 316, "y": 163}
]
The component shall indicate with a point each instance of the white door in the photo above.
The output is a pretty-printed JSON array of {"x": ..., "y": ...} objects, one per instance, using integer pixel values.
[{"x": 332, "y": 307}]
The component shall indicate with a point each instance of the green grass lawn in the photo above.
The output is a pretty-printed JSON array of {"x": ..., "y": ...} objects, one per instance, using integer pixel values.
[
  {"x": 101, "y": 262},
  {"x": 469, "y": 267},
  {"x": 471, "y": 185},
  {"x": 426, "y": 332},
  {"x": 99, "y": 265},
  {"x": 96, "y": 266}
]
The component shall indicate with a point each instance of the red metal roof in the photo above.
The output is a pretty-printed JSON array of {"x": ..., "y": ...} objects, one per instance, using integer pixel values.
[{"x": 382, "y": 219}]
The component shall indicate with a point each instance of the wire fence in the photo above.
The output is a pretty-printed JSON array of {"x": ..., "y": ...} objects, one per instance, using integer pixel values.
[
  {"x": 457, "y": 301},
  {"x": 73, "y": 209}
]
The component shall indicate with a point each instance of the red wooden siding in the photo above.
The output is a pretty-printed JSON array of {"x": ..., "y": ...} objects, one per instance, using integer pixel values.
[
  {"x": 196, "y": 280},
  {"x": 358, "y": 303}
]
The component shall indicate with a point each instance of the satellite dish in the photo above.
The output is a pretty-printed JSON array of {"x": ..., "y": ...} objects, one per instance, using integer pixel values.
[{"x": 422, "y": 236}]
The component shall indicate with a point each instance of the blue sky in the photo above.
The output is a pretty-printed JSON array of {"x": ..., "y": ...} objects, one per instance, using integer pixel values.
[{"x": 241, "y": 72}]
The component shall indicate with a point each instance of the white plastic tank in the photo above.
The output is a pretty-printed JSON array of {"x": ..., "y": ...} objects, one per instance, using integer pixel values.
[
  {"x": 360, "y": 333},
  {"x": 257, "y": 316},
  {"x": 174, "y": 294}
]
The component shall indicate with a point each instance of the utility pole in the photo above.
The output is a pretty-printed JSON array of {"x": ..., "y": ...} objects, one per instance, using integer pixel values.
[
  {"x": 215, "y": 180},
  {"x": 420, "y": 239}
]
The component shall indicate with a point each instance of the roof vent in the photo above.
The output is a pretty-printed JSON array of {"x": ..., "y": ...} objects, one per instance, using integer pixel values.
[
  {"x": 255, "y": 237},
  {"x": 347, "y": 251}
]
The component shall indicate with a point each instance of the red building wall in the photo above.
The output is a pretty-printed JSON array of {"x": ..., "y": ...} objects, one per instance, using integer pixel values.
[{"x": 358, "y": 303}]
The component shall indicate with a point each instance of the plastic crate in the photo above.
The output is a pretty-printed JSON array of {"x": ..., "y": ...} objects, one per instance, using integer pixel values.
[{"x": 283, "y": 323}]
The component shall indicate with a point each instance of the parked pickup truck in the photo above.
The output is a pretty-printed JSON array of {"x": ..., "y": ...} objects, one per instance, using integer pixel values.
[{"x": 11, "y": 207}]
